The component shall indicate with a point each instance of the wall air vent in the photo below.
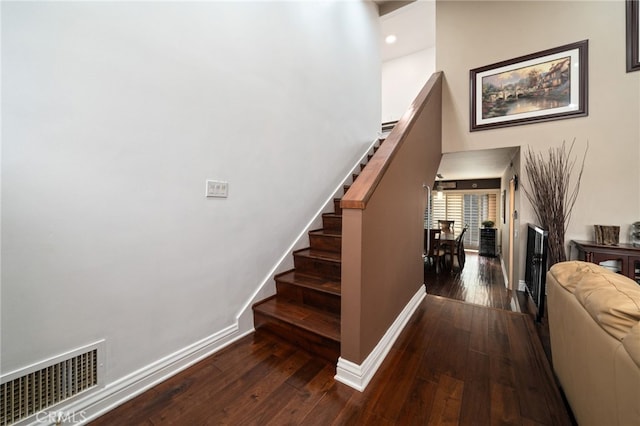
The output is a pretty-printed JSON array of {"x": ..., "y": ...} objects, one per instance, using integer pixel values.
[
  {"x": 448, "y": 184},
  {"x": 33, "y": 389}
]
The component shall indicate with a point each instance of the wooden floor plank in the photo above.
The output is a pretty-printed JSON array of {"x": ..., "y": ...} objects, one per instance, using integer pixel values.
[
  {"x": 462, "y": 317},
  {"x": 479, "y": 341},
  {"x": 330, "y": 405},
  {"x": 502, "y": 370},
  {"x": 435, "y": 355},
  {"x": 263, "y": 410},
  {"x": 447, "y": 402},
  {"x": 419, "y": 403},
  {"x": 248, "y": 405},
  {"x": 505, "y": 407},
  {"x": 528, "y": 387},
  {"x": 476, "y": 399},
  {"x": 498, "y": 337},
  {"x": 355, "y": 413},
  {"x": 397, "y": 387},
  {"x": 253, "y": 348},
  {"x": 299, "y": 406},
  {"x": 560, "y": 413}
]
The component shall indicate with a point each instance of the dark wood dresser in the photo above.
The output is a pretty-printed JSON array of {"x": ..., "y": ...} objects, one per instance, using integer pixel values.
[{"x": 623, "y": 257}]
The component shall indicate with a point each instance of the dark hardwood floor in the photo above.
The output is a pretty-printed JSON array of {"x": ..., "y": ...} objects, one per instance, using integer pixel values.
[
  {"x": 454, "y": 363},
  {"x": 480, "y": 282}
]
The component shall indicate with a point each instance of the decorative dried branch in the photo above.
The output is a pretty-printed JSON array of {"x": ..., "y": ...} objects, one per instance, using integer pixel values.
[{"x": 550, "y": 194}]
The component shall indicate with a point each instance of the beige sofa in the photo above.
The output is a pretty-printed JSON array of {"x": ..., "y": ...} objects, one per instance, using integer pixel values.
[{"x": 594, "y": 322}]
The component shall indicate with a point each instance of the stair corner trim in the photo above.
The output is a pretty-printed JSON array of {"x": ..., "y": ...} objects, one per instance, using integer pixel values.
[{"x": 358, "y": 376}]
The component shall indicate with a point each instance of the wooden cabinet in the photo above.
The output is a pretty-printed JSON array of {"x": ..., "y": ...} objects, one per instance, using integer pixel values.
[
  {"x": 487, "y": 242},
  {"x": 623, "y": 258}
]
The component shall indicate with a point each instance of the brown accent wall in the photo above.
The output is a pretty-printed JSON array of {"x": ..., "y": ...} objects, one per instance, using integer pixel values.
[{"x": 383, "y": 233}]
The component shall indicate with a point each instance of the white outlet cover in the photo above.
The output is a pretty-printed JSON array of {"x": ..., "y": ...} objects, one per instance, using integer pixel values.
[{"x": 217, "y": 189}]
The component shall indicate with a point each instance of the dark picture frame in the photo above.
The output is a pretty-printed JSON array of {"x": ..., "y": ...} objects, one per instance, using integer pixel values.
[
  {"x": 633, "y": 35},
  {"x": 547, "y": 85}
]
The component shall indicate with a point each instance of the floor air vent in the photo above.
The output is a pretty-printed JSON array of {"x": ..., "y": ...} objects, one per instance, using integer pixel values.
[{"x": 39, "y": 388}]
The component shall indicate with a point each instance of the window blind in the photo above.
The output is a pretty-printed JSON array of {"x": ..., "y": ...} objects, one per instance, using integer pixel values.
[{"x": 469, "y": 209}]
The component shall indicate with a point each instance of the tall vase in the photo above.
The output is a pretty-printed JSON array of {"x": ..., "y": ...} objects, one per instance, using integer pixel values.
[{"x": 557, "y": 251}]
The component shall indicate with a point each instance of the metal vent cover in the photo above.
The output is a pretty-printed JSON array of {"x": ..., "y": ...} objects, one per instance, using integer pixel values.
[{"x": 36, "y": 388}]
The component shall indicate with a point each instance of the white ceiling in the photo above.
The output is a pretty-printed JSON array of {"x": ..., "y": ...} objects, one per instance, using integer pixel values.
[
  {"x": 414, "y": 26},
  {"x": 488, "y": 163}
]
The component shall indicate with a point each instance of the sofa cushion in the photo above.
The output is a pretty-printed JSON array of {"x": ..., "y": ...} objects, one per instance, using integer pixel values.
[
  {"x": 613, "y": 300},
  {"x": 631, "y": 343},
  {"x": 569, "y": 273}
]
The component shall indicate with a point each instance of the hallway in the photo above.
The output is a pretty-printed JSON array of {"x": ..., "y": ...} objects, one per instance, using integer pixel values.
[{"x": 480, "y": 283}]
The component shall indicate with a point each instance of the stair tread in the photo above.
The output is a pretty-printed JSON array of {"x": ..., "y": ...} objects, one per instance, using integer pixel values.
[
  {"x": 322, "y": 323},
  {"x": 319, "y": 254},
  {"x": 308, "y": 281},
  {"x": 332, "y": 214},
  {"x": 327, "y": 232}
]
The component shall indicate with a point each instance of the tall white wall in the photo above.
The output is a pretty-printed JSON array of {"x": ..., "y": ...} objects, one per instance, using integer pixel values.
[
  {"x": 114, "y": 114},
  {"x": 471, "y": 34},
  {"x": 402, "y": 80}
]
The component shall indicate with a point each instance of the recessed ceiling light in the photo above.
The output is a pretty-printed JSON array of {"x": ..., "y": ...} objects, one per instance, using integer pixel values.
[{"x": 390, "y": 39}]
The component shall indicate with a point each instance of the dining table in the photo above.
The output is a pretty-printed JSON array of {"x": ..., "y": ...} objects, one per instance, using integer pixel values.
[{"x": 447, "y": 241}]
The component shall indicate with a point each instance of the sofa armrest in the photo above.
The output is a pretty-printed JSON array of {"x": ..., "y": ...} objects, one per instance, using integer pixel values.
[{"x": 599, "y": 379}]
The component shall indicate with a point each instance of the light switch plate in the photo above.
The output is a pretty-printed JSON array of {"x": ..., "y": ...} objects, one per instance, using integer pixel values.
[{"x": 217, "y": 188}]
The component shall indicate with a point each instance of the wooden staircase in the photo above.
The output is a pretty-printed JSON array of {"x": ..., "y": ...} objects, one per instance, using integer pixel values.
[{"x": 306, "y": 307}]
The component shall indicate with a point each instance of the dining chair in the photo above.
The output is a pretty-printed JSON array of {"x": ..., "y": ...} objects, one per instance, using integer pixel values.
[
  {"x": 432, "y": 246},
  {"x": 458, "y": 250},
  {"x": 446, "y": 225}
]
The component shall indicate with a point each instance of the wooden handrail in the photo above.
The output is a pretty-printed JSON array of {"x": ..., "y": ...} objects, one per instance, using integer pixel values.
[{"x": 360, "y": 192}]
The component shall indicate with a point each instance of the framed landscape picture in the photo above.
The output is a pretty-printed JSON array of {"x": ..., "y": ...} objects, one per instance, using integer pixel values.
[
  {"x": 633, "y": 35},
  {"x": 542, "y": 86}
]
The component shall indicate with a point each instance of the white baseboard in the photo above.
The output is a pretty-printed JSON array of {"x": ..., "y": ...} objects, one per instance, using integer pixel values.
[
  {"x": 359, "y": 376},
  {"x": 522, "y": 285},
  {"x": 114, "y": 394}
]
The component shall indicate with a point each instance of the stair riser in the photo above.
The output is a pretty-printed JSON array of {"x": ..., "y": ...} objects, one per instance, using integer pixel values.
[
  {"x": 336, "y": 206},
  {"x": 333, "y": 223},
  {"x": 319, "y": 345},
  {"x": 326, "y": 243},
  {"x": 317, "y": 267},
  {"x": 307, "y": 296}
]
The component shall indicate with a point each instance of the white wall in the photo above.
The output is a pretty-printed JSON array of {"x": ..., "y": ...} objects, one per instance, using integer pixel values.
[
  {"x": 402, "y": 80},
  {"x": 610, "y": 190},
  {"x": 114, "y": 115}
]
